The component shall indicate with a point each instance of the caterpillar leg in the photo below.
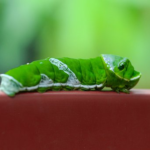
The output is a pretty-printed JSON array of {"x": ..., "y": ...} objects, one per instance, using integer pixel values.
[
  {"x": 42, "y": 90},
  {"x": 125, "y": 91},
  {"x": 118, "y": 90},
  {"x": 56, "y": 88},
  {"x": 68, "y": 88}
]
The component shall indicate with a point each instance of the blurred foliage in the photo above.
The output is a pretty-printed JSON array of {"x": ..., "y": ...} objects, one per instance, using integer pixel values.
[{"x": 31, "y": 29}]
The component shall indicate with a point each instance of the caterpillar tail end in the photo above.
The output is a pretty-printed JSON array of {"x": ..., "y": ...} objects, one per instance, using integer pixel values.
[
  {"x": 11, "y": 94},
  {"x": 9, "y": 85}
]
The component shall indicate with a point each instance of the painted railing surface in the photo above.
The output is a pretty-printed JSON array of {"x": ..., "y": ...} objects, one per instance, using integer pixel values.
[{"x": 75, "y": 120}]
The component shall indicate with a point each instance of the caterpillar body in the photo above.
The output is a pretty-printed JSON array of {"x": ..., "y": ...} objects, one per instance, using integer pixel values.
[{"x": 71, "y": 74}]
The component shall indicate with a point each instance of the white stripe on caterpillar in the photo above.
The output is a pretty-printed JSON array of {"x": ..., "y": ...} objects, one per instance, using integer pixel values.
[{"x": 72, "y": 79}]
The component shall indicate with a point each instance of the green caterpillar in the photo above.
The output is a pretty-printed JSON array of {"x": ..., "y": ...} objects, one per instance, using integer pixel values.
[{"x": 71, "y": 74}]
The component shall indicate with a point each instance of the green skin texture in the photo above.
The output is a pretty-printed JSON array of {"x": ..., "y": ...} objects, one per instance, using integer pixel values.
[{"x": 110, "y": 70}]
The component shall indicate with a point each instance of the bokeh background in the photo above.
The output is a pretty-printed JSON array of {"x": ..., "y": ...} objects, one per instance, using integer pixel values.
[{"x": 31, "y": 29}]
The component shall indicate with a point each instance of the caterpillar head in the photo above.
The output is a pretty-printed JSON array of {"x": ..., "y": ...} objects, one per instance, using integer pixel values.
[{"x": 121, "y": 75}]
